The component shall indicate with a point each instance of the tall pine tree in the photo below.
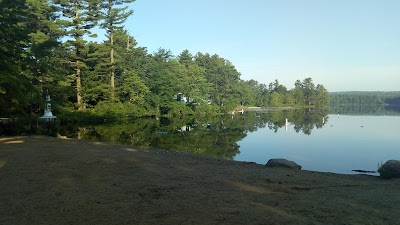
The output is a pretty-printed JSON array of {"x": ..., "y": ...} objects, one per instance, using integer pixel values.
[
  {"x": 113, "y": 17},
  {"x": 44, "y": 34},
  {"x": 81, "y": 16}
]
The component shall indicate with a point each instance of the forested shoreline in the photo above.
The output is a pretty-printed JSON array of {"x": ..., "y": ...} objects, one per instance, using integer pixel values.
[
  {"x": 47, "y": 47},
  {"x": 363, "y": 98}
]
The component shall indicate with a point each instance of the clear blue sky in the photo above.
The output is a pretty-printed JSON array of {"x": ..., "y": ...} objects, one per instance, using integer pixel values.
[{"x": 346, "y": 45}]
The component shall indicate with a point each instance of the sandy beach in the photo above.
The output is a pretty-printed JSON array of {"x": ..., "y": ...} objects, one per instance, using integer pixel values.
[{"x": 46, "y": 180}]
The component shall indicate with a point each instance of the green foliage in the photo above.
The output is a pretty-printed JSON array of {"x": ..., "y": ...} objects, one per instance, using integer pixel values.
[
  {"x": 205, "y": 110},
  {"x": 84, "y": 116},
  {"x": 276, "y": 99},
  {"x": 44, "y": 47},
  {"x": 119, "y": 109},
  {"x": 224, "y": 79},
  {"x": 365, "y": 110},
  {"x": 162, "y": 76},
  {"x": 305, "y": 93},
  {"x": 363, "y": 98},
  {"x": 112, "y": 16},
  {"x": 112, "y": 19},
  {"x": 132, "y": 89},
  {"x": 216, "y": 136},
  {"x": 176, "y": 109},
  {"x": 193, "y": 82},
  {"x": 80, "y": 16},
  {"x": 277, "y": 87},
  {"x": 27, "y": 39}
]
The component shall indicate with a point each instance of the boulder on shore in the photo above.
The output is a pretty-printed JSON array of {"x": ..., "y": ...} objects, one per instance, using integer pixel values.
[
  {"x": 283, "y": 163},
  {"x": 390, "y": 169}
]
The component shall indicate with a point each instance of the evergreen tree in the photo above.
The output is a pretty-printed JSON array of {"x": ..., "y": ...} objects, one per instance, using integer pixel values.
[
  {"x": 95, "y": 85},
  {"x": 112, "y": 19},
  {"x": 28, "y": 35},
  {"x": 161, "y": 73},
  {"x": 247, "y": 94},
  {"x": 44, "y": 34},
  {"x": 82, "y": 16},
  {"x": 14, "y": 85},
  {"x": 193, "y": 82},
  {"x": 132, "y": 89},
  {"x": 224, "y": 78},
  {"x": 309, "y": 91},
  {"x": 298, "y": 93},
  {"x": 321, "y": 95},
  {"x": 277, "y": 87}
]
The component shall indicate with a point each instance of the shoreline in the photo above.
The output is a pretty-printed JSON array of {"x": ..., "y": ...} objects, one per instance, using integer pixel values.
[{"x": 49, "y": 180}]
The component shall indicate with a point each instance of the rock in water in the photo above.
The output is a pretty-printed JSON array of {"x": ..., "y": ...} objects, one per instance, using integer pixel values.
[
  {"x": 390, "y": 169},
  {"x": 283, "y": 163}
]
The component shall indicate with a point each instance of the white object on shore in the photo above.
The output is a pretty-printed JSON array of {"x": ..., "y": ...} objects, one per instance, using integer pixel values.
[{"x": 48, "y": 115}]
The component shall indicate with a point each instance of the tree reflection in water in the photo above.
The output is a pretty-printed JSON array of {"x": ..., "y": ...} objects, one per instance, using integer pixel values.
[{"x": 213, "y": 136}]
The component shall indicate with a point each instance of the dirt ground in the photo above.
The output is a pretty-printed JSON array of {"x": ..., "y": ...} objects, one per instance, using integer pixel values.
[{"x": 45, "y": 180}]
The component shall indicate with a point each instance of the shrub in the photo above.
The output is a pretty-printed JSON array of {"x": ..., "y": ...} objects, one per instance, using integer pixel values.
[
  {"x": 207, "y": 110},
  {"x": 176, "y": 109},
  {"x": 121, "y": 110}
]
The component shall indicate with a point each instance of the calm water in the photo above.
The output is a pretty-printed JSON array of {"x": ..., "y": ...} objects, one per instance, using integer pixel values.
[
  {"x": 343, "y": 144},
  {"x": 317, "y": 140}
]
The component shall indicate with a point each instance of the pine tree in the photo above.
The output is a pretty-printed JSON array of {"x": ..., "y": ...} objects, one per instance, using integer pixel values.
[
  {"x": 44, "y": 34},
  {"x": 82, "y": 15},
  {"x": 112, "y": 19},
  {"x": 13, "y": 39},
  {"x": 27, "y": 35}
]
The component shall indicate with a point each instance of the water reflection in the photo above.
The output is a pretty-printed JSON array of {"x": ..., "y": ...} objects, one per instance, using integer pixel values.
[
  {"x": 378, "y": 110},
  {"x": 349, "y": 140},
  {"x": 216, "y": 136}
]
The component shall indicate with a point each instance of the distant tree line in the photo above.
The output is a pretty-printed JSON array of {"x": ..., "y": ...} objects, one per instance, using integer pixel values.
[
  {"x": 45, "y": 46},
  {"x": 304, "y": 93},
  {"x": 363, "y": 98}
]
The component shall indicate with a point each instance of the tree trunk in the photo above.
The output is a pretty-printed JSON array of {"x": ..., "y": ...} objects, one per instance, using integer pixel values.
[
  {"x": 77, "y": 62},
  {"x": 112, "y": 72},
  {"x": 78, "y": 86}
]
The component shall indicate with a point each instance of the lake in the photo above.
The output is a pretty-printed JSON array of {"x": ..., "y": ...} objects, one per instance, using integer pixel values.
[
  {"x": 318, "y": 140},
  {"x": 343, "y": 144}
]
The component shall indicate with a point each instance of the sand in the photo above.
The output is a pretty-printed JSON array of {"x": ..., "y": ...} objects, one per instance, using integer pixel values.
[{"x": 46, "y": 180}]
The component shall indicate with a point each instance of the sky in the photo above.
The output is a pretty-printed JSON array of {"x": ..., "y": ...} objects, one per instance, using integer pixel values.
[{"x": 346, "y": 45}]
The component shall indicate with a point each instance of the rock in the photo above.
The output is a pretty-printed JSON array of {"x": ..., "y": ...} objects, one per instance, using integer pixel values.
[
  {"x": 390, "y": 169},
  {"x": 283, "y": 163}
]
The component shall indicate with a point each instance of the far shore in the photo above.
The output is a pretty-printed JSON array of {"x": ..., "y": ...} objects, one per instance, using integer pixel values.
[{"x": 46, "y": 180}]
